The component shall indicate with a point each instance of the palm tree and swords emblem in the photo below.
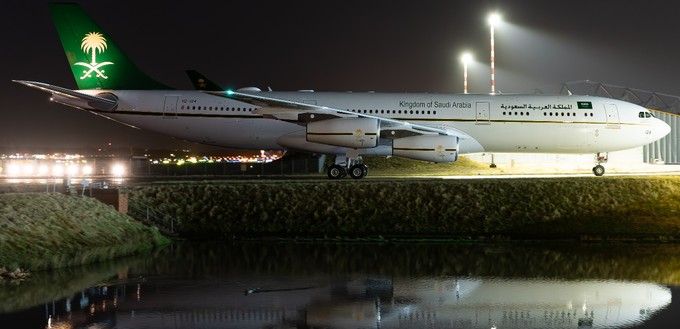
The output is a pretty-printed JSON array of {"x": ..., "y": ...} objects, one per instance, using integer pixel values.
[{"x": 93, "y": 43}]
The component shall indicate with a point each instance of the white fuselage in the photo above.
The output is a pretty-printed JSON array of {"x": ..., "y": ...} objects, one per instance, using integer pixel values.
[{"x": 494, "y": 123}]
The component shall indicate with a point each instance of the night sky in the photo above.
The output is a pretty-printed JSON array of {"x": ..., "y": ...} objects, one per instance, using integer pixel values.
[{"x": 387, "y": 46}]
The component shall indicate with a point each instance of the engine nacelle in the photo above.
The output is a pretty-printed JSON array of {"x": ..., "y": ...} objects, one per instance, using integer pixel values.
[
  {"x": 434, "y": 148},
  {"x": 345, "y": 132}
]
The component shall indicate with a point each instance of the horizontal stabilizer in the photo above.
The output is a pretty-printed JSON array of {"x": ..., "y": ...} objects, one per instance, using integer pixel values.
[{"x": 95, "y": 102}]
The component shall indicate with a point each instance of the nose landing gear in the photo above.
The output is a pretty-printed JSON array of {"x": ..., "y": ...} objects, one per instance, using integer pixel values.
[{"x": 598, "y": 170}]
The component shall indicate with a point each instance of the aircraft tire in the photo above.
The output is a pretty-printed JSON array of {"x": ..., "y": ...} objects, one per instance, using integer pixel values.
[
  {"x": 598, "y": 170},
  {"x": 336, "y": 172},
  {"x": 358, "y": 171}
]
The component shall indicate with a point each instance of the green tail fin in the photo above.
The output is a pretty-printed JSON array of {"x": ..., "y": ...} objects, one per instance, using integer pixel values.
[
  {"x": 96, "y": 61},
  {"x": 200, "y": 82}
]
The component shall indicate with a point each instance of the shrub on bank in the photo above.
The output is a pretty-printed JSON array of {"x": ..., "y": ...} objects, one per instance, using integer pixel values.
[
  {"x": 41, "y": 230},
  {"x": 537, "y": 207}
]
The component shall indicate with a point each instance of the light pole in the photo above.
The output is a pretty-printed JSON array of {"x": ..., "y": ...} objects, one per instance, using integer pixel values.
[
  {"x": 466, "y": 59},
  {"x": 493, "y": 20}
]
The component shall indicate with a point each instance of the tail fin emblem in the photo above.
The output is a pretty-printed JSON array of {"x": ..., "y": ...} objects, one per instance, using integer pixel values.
[{"x": 93, "y": 43}]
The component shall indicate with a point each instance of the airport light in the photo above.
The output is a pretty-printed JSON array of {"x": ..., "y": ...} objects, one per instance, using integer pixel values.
[
  {"x": 466, "y": 59},
  {"x": 72, "y": 170},
  {"x": 27, "y": 169},
  {"x": 13, "y": 170},
  {"x": 57, "y": 170},
  {"x": 87, "y": 170},
  {"x": 118, "y": 170},
  {"x": 494, "y": 19},
  {"x": 43, "y": 170}
]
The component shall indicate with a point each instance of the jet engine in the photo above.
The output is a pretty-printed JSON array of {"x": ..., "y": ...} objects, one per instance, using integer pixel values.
[
  {"x": 434, "y": 148},
  {"x": 345, "y": 132}
]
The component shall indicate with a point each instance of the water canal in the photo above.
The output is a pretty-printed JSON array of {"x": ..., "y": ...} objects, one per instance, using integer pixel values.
[{"x": 359, "y": 285}]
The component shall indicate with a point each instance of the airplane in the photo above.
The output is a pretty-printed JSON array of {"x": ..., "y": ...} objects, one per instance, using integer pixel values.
[{"x": 350, "y": 125}]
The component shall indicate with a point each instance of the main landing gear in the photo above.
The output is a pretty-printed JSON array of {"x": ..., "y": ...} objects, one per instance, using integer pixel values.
[
  {"x": 344, "y": 165},
  {"x": 598, "y": 170},
  {"x": 356, "y": 171}
]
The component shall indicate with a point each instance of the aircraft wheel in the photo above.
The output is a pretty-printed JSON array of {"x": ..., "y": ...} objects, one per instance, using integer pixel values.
[
  {"x": 336, "y": 172},
  {"x": 598, "y": 170},
  {"x": 358, "y": 171}
]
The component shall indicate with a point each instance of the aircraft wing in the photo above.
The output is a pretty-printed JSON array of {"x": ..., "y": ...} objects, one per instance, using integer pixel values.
[
  {"x": 72, "y": 97},
  {"x": 299, "y": 112}
]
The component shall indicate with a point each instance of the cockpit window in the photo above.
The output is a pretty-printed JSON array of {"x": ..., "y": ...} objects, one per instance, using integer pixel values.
[{"x": 645, "y": 115}]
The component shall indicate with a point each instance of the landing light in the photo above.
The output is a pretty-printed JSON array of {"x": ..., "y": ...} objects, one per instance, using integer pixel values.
[{"x": 230, "y": 92}]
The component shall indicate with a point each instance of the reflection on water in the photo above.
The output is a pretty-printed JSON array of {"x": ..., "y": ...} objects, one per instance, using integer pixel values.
[{"x": 260, "y": 285}]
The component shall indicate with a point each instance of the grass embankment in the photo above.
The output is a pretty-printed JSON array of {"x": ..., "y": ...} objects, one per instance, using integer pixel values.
[
  {"x": 586, "y": 207},
  {"x": 41, "y": 231},
  {"x": 395, "y": 166}
]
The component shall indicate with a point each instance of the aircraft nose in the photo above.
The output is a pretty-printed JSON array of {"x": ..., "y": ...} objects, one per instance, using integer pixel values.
[{"x": 663, "y": 129}]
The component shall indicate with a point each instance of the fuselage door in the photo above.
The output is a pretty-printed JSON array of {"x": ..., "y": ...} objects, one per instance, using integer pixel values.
[
  {"x": 483, "y": 115},
  {"x": 170, "y": 107},
  {"x": 612, "y": 116}
]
